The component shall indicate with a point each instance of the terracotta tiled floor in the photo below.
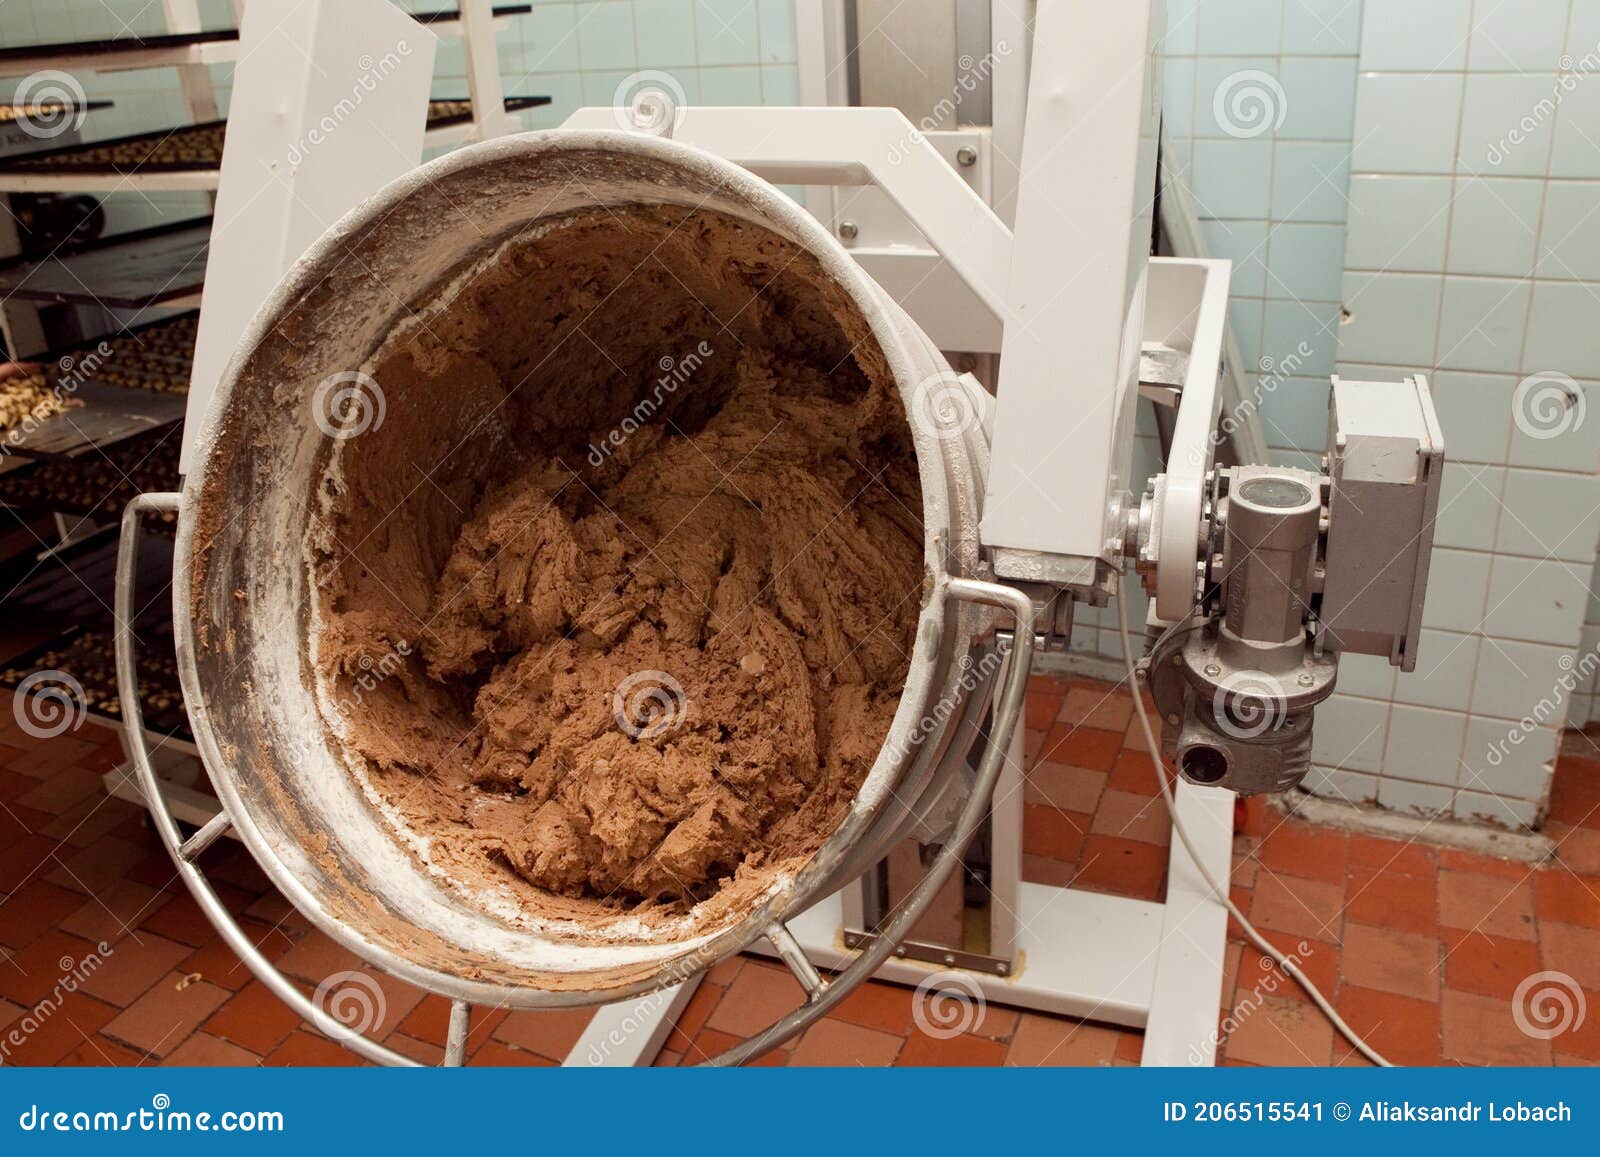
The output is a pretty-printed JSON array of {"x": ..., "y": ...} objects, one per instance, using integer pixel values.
[{"x": 1420, "y": 948}]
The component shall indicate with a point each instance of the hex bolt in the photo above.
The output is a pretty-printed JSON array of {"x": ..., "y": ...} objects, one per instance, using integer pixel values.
[
  {"x": 1174, "y": 719},
  {"x": 1307, "y": 679},
  {"x": 849, "y": 230},
  {"x": 966, "y": 156},
  {"x": 1213, "y": 670}
]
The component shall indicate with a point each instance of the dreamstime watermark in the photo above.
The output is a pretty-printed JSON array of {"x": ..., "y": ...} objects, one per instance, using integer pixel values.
[
  {"x": 649, "y": 703},
  {"x": 354, "y": 999},
  {"x": 674, "y": 373},
  {"x": 73, "y": 974},
  {"x": 947, "y": 1004},
  {"x": 947, "y": 405},
  {"x": 1273, "y": 374},
  {"x": 72, "y": 373},
  {"x": 1248, "y": 704},
  {"x": 49, "y": 703},
  {"x": 373, "y": 73},
  {"x": 1203, "y": 1053},
  {"x": 49, "y": 103},
  {"x": 972, "y": 73},
  {"x": 1571, "y": 73},
  {"x": 1551, "y": 709},
  {"x": 1548, "y": 1004},
  {"x": 644, "y": 1014},
  {"x": 1249, "y": 103},
  {"x": 370, "y": 673},
  {"x": 348, "y": 404},
  {"x": 970, "y": 677},
  {"x": 1548, "y": 404},
  {"x": 648, "y": 101},
  {"x": 160, "y": 1117}
]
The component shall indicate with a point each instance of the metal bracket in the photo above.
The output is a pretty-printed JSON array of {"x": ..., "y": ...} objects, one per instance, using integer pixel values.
[{"x": 934, "y": 954}]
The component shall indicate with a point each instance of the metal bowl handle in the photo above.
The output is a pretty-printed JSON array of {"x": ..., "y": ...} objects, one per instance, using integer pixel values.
[
  {"x": 185, "y": 852},
  {"x": 823, "y": 995}
]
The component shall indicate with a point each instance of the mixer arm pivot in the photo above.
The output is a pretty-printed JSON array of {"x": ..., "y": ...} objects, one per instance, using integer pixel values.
[{"x": 1008, "y": 715}]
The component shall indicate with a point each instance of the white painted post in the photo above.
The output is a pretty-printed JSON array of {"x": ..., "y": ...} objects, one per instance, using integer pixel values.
[
  {"x": 489, "y": 117},
  {"x": 330, "y": 104}
]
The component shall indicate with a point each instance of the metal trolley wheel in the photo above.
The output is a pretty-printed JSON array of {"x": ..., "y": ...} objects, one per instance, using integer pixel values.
[{"x": 821, "y": 994}]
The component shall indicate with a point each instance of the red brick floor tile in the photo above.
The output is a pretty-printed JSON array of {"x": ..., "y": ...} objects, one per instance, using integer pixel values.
[
  {"x": 1053, "y": 1042},
  {"x": 759, "y": 995},
  {"x": 711, "y": 1043},
  {"x": 1457, "y": 860},
  {"x": 31, "y": 973},
  {"x": 254, "y": 1019},
  {"x": 1044, "y": 870},
  {"x": 1571, "y": 949},
  {"x": 1482, "y": 1030},
  {"x": 1056, "y": 834},
  {"x": 1130, "y": 1046},
  {"x": 924, "y": 1051},
  {"x": 368, "y": 1001},
  {"x": 1122, "y": 867},
  {"x": 1388, "y": 960},
  {"x": 102, "y": 1052},
  {"x": 112, "y": 914},
  {"x": 1317, "y": 959},
  {"x": 159, "y": 1020},
  {"x": 1042, "y": 709},
  {"x": 1488, "y": 965},
  {"x": 219, "y": 964},
  {"x": 134, "y": 964},
  {"x": 723, "y": 971},
  {"x": 1567, "y": 898},
  {"x": 875, "y": 1005},
  {"x": 1135, "y": 817},
  {"x": 832, "y": 1042},
  {"x": 1575, "y": 792},
  {"x": 1132, "y": 772},
  {"x": 47, "y": 1032},
  {"x": 202, "y": 1049},
  {"x": 423, "y": 1052},
  {"x": 1309, "y": 908},
  {"x": 1402, "y": 1028},
  {"x": 181, "y": 918},
  {"x": 493, "y": 1054},
  {"x": 91, "y": 820},
  {"x": 1580, "y": 1040},
  {"x": 63, "y": 790},
  {"x": 1387, "y": 900},
  {"x": 316, "y": 957},
  {"x": 1060, "y": 785},
  {"x": 667, "y": 1059},
  {"x": 1393, "y": 857},
  {"x": 1490, "y": 904},
  {"x": 550, "y": 1034},
  {"x": 96, "y": 868},
  {"x": 1291, "y": 848},
  {"x": 1280, "y": 1031},
  {"x": 693, "y": 1017},
  {"x": 430, "y": 1021},
  {"x": 307, "y": 1050},
  {"x": 1107, "y": 708},
  {"x": 1088, "y": 747},
  {"x": 28, "y": 858},
  {"x": 36, "y": 909},
  {"x": 1577, "y": 848}
]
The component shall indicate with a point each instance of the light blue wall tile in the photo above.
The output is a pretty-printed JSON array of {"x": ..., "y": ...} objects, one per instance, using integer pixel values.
[
  {"x": 550, "y": 38},
  {"x": 1550, "y": 515},
  {"x": 1446, "y": 662},
  {"x": 1350, "y": 733},
  {"x": 1310, "y": 181},
  {"x": 1398, "y": 224},
  {"x": 1294, "y": 416},
  {"x": 1240, "y": 27},
  {"x": 730, "y": 86},
  {"x": 1232, "y": 179},
  {"x": 1305, "y": 262},
  {"x": 1576, "y": 152},
  {"x": 604, "y": 86},
  {"x": 1564, "y": 328},
  {"x": 1501, "y": 757},
  {"x": 1245, "y": 319},
  {"x": 1424, "y": 800},
  {"x": 1482, "y": 322},
  {"x": 1415, "y": 35},
  {"x": 1177, "y": 95},
  {"x": 1183, "y": 28},
  {"x": 1523, "y": 37},
  {"x": 1308, "y": 330},
  {"x": 1569, "y": 245},
  {"x": 1407, "y": 123},
  {"x": 1583, "y": 34},
  {"x": 1557, "y": 433},
  {"x": 1496, "y": 811},
  {"x": 605, "y": 35},
  {"x": 1493, "y": 226},
  {"x": 1369, "y": 676},
  {"x": 780, "y": 84},
  {"x": 727, "y": 32},
  {"x": 1457, "y": 583},
  {"x": 778, "y": 32},
  {"x": 665, "y": 32},
  {"x": 1541, "y": 602},
  {"x": 565, "y": 90},
  {"x": 1424, "y": 744},
  {"x": 1320, "y": 97},
  {"x": 1469, "y": 505},
  {"x": 1475, "y": 412},
  {"x": 1236, "y": 97},
  {"x": 1245, "y": 244},
  {"x": 1500, "y": 133},
  {"x": 1321, "y": 27},
  {"x": 1392, "y": 318},
  {"x": 1515, "y": 678},
  {"x": 1337, "y": 784}
]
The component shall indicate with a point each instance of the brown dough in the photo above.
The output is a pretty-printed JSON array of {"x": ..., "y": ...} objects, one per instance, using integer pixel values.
[{"x": 552, "y": 510}]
